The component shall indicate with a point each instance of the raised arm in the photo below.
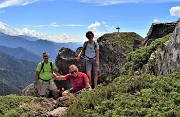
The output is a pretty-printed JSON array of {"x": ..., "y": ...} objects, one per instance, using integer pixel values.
[
  {"x": 58, "y": 77},
  {"x": 80, "y": 54}
]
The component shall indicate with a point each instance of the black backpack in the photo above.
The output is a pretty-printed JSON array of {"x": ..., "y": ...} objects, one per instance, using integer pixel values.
[{"x": 42, "y": 68}]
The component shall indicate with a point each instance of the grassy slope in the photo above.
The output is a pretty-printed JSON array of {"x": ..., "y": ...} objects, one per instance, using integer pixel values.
[
  {"x": 124, "y": 39},
  {"x": 143, "y": 95}
]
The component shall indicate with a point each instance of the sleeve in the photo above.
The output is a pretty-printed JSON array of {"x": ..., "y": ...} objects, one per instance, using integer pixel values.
[
  {"x": 86, "y": 79},
  {"x": 67, "y": 76},
  {"x": 38, "y": 68}
]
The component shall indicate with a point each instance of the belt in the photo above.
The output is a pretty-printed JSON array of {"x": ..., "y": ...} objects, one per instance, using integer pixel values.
[
  {"x": 45, "y": 80},
  {"x": 90, "y": 58}
]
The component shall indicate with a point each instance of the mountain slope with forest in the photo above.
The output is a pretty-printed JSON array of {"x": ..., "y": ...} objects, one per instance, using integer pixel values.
[
  {"x": 21, "y": 53},
  {"x": 15, "y": 74}
]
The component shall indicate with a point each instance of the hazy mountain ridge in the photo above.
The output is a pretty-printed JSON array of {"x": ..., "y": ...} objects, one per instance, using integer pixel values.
[
  {"x": 36, "y": 46},
  {"x": 15, "y": 74},
  {"x": 21, "y": 53}
]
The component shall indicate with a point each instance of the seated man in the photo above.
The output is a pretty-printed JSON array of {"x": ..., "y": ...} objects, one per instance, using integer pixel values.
[{"x": 78, "y": 80}]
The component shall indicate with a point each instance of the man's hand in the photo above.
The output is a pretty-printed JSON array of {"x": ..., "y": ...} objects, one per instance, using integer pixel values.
[
  {"x": 65, "y": 93},
  {"x": 36, "y": 85},
  {"x": 55, "y": 76}
]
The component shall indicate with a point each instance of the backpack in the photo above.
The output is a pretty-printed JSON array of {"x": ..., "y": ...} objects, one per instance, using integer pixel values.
[
  {"x": 42, "y": 68},
  {"x": 84, "y": 48}
]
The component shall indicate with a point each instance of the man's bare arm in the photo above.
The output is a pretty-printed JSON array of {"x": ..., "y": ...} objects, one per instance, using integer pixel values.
[{"x": 58, "y": 77}]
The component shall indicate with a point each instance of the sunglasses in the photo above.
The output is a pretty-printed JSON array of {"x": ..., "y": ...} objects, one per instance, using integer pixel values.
[
  {"x": 75, "y": 71},
  {"x": 88, "y": 36}
]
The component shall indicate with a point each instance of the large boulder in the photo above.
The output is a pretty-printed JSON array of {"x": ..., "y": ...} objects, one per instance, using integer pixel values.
[{"x": 112, "y": 57}]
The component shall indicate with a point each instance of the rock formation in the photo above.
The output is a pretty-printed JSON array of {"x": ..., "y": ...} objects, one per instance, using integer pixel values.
[
  {"x": 158, "y": 30},
  {"x": 169, "y": 55},
  {"x": 112, "y": 57}
]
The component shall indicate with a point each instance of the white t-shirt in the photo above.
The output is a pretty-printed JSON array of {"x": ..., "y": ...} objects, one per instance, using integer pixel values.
[{"x": 90, "y": 51}]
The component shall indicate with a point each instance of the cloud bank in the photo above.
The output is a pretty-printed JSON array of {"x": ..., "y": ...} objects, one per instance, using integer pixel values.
[
  {"x": 111, "y": 2},
  {"x": 8, "y": 3},
  {"x": 98, "y": 28}
]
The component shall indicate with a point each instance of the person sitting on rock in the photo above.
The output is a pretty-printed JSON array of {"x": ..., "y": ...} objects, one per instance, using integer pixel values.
[{"x": 79, "y": 80}]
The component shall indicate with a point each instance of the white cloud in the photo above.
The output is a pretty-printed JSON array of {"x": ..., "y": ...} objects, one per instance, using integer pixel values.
[
  {"x": 62, "y": 38},
  {"x": 106, "y": 27},
  {"x": 8, "y": 3},
  {"x": 175, "y": 11},
  {"x": 45, "y": 36},
  {"x": 25, "y": 31},
  {"x": 111, "y": 2},
  {"x": 156, "y": 21},
  {"x": 93, "y": 26},
  {"x": 54, "y": 24},
  {"x": 99, "y": 28},
  {"x": 3, "y": 26}
]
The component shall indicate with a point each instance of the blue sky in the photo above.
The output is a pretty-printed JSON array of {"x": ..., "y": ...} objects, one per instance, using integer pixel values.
[{"x": 69, "y": 20}]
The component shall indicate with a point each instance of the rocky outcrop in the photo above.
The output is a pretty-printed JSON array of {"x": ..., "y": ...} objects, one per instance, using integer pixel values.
[
  {"x": 64, "y": 59},
  {"x": 158, "y": 30},
  {"x": 29, "y": 90},
  {"x": 169, "y": 56},
  {"x": 112, "y": 57}
]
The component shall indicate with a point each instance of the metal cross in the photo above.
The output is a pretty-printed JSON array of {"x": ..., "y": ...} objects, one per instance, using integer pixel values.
[{"x": 118, "y": 28}]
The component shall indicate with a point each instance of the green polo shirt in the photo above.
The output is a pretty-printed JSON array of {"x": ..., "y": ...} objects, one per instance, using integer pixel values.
[{"x": 47, "y": 74}]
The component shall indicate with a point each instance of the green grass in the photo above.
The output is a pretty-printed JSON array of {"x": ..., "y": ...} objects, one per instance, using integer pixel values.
[
  {"x": 123, "y": 39},
  {"x": 138, "y": 58},
  {"x": 16, "y": 106},
  {"x": 144, "y": 95}
]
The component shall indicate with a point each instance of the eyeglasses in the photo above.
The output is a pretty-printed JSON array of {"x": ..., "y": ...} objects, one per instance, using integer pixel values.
[{"x": 75, "y": 71}]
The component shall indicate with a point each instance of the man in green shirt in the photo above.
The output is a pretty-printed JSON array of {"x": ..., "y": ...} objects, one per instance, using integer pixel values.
[{"x": 44, "y": 77}]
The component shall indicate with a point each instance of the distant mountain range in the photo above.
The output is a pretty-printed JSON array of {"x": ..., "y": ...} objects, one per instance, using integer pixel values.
[
  {"x": 15, "y": 74},
  {"x": 21, "y": 53},
  {"x": 33, "y": 45}
]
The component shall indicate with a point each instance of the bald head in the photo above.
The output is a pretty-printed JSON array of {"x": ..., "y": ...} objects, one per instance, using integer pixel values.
[
  {"x": 73, "y": 66},
  {"x": 73, "y": 69}
]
